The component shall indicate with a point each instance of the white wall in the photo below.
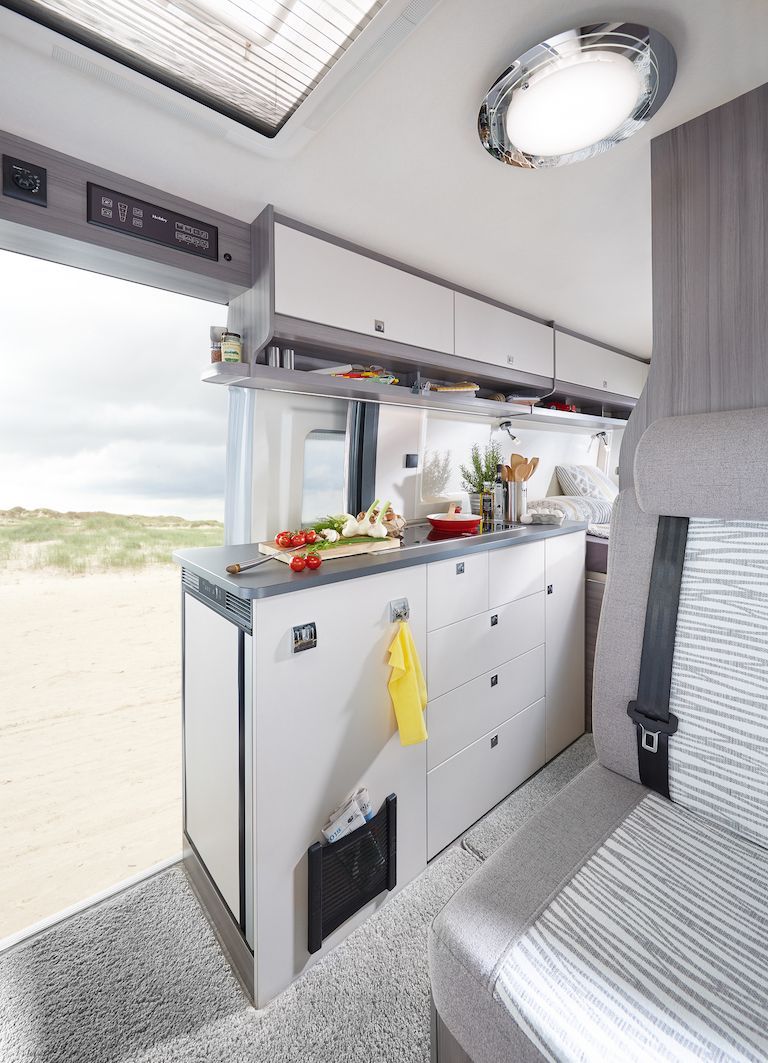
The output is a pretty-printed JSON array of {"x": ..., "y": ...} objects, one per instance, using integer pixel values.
[
  {"x": 282, "y": 423},
  {"x": 443, "y": 443}
]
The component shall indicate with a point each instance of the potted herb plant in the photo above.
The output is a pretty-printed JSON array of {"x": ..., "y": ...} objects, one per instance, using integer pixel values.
[{"x": 481, "y": 470}]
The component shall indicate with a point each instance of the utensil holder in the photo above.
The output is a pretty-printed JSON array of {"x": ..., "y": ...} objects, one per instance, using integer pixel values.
[
  {"x": 517, "y": 502},
  {"x": 345, "y": 875}
]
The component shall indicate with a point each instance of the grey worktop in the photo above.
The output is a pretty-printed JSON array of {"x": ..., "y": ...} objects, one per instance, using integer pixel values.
[{"x": 275, "y": 577}]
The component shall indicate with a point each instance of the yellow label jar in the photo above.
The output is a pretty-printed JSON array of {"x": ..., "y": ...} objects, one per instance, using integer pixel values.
[{"x": 231, "y": 347}]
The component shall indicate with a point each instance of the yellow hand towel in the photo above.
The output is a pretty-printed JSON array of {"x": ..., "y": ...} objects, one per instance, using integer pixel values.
[{"x": 407, "y": 687}]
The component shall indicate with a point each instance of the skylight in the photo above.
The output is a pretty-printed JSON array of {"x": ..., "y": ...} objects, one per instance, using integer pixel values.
[{"x": 253, "y": 60}]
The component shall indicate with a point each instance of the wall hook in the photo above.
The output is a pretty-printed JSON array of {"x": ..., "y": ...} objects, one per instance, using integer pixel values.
[{"x": 399, "y": 610}]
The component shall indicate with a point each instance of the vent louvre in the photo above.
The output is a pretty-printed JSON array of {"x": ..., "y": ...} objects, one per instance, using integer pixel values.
[
  {"x": 190, "y": 580},
  {"x": 239, "y": 608}
]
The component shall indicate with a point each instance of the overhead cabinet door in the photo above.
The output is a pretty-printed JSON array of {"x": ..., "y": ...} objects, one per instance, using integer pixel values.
[
  {"x": 319, "y": 281},
  {"x": 580, "y": 362},
  {"x": 487, "y": 333}
]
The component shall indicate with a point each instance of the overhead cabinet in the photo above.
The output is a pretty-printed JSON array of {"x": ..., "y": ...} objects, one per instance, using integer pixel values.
[
  {"x": 317, "y": 280},
  {"x": 488, "y": 333},
  {"x": 588, "y": 364}
]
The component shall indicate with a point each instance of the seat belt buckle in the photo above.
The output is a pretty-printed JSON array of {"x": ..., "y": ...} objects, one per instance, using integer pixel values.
[{"x": 650, "y": 727}]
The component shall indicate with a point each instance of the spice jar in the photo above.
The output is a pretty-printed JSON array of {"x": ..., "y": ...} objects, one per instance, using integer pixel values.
[{"x": 231, "y": 347}]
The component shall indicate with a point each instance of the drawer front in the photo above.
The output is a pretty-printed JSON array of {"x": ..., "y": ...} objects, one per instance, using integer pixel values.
[
  {"x": 460, "y": 717},
  {"x": 465, "y": 650},
  {"x": 465, "y": 787},
  {"x": 515, "y": 573},
  {"x": 456, "y": 589}
]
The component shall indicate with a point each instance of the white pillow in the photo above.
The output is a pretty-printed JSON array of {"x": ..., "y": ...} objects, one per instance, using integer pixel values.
[
  {"x": 576, "y": 507},
  {"x": 586, "y": 480}
]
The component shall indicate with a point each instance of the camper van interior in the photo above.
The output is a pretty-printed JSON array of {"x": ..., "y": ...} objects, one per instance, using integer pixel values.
[{"x": 383, "y": 531}]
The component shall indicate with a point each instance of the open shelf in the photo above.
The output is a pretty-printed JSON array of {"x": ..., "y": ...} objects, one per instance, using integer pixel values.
[{"x": 302, "y": 382}]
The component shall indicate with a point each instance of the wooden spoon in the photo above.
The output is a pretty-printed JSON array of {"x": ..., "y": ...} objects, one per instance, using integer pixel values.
[
  {"x": 516, "y": 459},
  {"x": 519, "y": 472},
  {"x": 506, "y": 474},
  {"x": 533, "y": 465}
]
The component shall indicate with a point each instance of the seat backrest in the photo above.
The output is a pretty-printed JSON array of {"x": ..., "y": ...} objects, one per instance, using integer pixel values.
[{"x": 713, "y": 469}]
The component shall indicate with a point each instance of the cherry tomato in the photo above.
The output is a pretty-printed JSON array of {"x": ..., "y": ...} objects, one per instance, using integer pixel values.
[
  {"x": 299, "y": 539},
  {"x": 311, "y": 536},
  {"x": 283, "y": 539},
  {"x": 298, "y": 563},
  {"x": 314, "y": 561}
]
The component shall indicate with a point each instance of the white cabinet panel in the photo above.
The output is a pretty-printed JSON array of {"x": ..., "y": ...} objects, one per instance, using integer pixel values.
[
  {"x": 565, "y": 640},
  {"x": 466, "y": 786},
  {"x": 319, "y": 281},
  {"x": 211, "y": 745},
  {"x": 481, "y": 643},
  {"x": 515, "y": 573},
  {"x": 324, "y": 725},
  {"x": 456, "y": 589},
  {"x": 463, "y": 715},
  {"x": 487, "y": 333},
  {"x": 581, "y": 362}
]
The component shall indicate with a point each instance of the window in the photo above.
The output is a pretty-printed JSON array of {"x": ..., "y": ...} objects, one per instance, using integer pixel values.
[
  {"x": 324, "y": 475},
  {"x": 253, "y": 60}
]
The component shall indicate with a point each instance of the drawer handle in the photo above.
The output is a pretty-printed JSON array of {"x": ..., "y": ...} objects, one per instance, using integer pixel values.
[
  {"x": 494, "y": 619},
  {"x": 494, "y": 741},
  {"x": 550, "y": 588},
  {"x": 460, "y": 568},
  {"x": 494, "y": 680}
]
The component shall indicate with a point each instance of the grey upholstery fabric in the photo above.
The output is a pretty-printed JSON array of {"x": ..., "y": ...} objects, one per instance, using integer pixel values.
[
  {"x": 603, "y": 975},
  {"x": 472, "y": 935},
  {"x": 620, "y": 635},
  {"x": 704, "y": 465}
]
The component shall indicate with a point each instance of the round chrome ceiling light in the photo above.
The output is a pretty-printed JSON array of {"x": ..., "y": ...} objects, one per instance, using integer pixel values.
[{"x": 577, "y": 95}]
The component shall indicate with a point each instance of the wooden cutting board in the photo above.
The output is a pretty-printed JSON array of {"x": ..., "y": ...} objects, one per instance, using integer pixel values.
[{"x": 375, "y": 546}]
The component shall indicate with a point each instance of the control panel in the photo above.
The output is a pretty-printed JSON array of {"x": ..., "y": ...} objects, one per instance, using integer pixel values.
[
  {"x": 25, "y": 180},
  {"x": 135, "y": 217}
]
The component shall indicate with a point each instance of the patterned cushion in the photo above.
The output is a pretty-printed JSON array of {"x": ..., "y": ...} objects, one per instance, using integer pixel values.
[
  {"x": 718, "y": 760},
  {"x": 600, "y": 975},
  {"x": 586, "y": 480},
  {"x": 579, "y": 507}
]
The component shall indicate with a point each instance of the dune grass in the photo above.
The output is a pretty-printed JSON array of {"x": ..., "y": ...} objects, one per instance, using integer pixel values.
[{"x": 84, "y": 542}]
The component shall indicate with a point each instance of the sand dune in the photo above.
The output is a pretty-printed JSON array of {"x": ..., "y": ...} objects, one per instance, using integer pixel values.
[{"x": 90, "y": 765}]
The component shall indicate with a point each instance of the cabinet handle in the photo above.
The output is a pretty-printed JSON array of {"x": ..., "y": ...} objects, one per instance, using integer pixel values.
[
  {"x": 494, "y": 680},
  {"x": 460, "y": 568},
  {"x": 378, "y": 326},
  {"x": 494, "y": 741},
  {"x": 494, "y": 620},
  {"x": 550, "y": 588}
]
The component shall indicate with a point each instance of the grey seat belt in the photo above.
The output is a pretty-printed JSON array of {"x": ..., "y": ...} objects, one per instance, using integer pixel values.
[{"x": 650, "y": 711}]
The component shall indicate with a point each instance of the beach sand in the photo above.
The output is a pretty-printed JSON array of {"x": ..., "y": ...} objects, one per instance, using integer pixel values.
[{"x": 90, "y": 734}]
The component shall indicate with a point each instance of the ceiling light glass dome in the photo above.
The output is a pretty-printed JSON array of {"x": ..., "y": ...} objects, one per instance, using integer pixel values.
[{"x": 577, "y": 95}]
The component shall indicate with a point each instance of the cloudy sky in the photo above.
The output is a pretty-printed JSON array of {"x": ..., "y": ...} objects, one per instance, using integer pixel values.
[{"x": 101, "y": 404}]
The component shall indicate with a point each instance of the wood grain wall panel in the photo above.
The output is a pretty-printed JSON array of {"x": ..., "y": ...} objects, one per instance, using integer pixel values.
[{"x": 710, "y": 268}]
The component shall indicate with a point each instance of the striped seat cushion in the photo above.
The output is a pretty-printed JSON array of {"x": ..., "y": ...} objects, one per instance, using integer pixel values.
[
  {"x": 718, "y": 760},
  {"x": 600, "y": 975}
]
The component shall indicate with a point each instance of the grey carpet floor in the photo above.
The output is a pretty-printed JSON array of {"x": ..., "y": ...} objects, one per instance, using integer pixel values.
[
  {"x": 140, "y": 979},
  {"x": 487, "y": 835}
]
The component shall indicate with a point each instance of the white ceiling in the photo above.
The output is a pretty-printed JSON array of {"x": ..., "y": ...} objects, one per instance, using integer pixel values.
[{"x": 399, "y": 167}]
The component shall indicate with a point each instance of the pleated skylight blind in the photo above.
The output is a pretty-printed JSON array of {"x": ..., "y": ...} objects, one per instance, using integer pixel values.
[{"x": 255, "y": 60}]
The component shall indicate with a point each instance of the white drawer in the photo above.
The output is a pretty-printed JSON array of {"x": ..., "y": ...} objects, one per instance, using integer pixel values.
[
  {"x": 465, "y": 650},
  {"x": 465, "y": 787},
  {"x": 456, "y": 589},
  {"x": 515, "y": 572},
  {"x": 463, "y": 715}
]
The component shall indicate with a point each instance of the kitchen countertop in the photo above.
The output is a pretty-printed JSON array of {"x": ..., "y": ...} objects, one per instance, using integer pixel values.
[{"x": 275, "y": 577}]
